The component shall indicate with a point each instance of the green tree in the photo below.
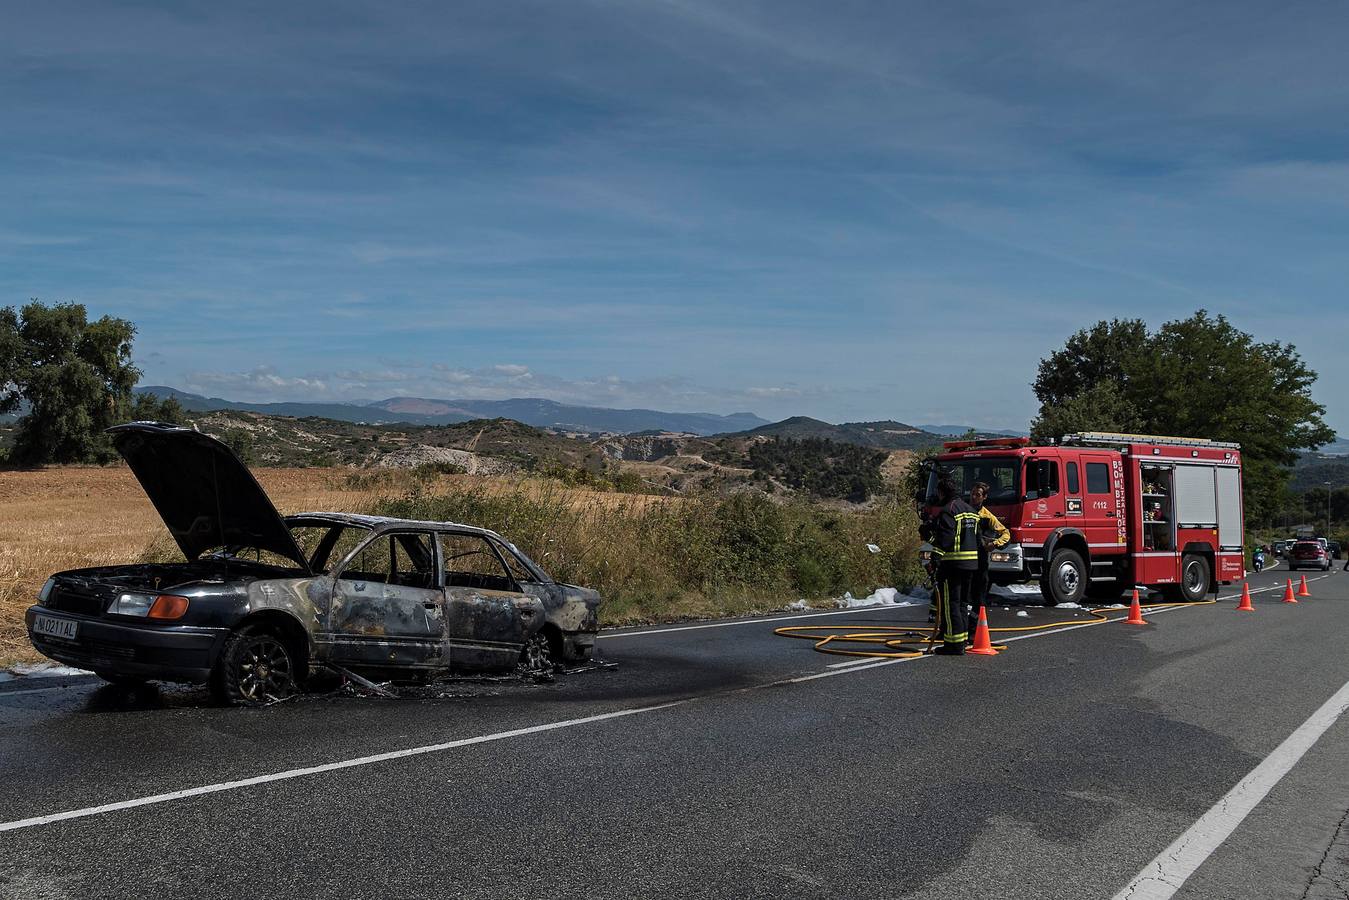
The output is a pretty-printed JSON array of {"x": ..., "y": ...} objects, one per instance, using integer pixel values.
[
  {"x": 1196, "y": 377},
  {"x": 1105, "y": 352},
  {"x": 1101, "y": 407},
  {"x": 149, "y": 408},
  {"x": 75, "y": 375}
]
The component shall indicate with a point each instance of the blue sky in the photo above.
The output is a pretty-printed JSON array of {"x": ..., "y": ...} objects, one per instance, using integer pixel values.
[{"x": 779, "y": 207}]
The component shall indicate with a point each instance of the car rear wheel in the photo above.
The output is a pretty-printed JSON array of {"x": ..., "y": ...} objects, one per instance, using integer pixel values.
[
  {"x": 541, "y": 654},
  {"x": 1065, "y": 581},
  {"x": 255, "y": 667}
]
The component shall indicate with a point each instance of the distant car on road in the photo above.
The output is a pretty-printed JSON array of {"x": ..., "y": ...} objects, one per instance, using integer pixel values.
[
  {"x": 262, "y": 600},
  {"x": 1308, "y": 555},
  {"x": 1280, "y": 548}
]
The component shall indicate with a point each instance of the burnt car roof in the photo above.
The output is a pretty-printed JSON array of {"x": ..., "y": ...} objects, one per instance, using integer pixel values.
[{"x": 382, "y": 522}]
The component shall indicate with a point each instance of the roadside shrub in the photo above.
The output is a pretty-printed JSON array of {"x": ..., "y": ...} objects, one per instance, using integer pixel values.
[{"x": 665, "y": 558}]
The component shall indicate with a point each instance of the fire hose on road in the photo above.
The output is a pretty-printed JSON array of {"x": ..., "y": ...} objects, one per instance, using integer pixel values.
[
  {"x": 893, "y": 641},
  {"x": 908, "y": 641}
]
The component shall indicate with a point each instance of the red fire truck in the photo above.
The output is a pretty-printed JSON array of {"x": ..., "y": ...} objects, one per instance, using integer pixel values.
[{"x": 1098, "y": 513}]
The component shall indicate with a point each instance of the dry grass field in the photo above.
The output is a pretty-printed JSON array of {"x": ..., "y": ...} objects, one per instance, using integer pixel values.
[
  {"x": 653, "y": 558},
  {"x": 73, "y": 516},
  {"x": 70, "y": 517}
]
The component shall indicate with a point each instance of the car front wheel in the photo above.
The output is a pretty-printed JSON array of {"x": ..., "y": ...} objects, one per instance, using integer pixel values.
[{"x": 255, "y": 667}]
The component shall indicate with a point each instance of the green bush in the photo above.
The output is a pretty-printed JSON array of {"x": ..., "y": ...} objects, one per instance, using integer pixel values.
[{"x": 704, "y": 555}]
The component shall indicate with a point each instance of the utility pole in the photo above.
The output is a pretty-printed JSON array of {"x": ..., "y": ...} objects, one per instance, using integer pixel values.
[{"x": 1327, "y": 484}]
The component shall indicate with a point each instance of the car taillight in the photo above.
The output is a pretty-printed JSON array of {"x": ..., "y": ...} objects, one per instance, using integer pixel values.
[{"x": 167, "y": 606}]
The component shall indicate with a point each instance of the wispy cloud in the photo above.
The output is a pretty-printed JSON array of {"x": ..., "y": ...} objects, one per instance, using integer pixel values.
[{"x": 764, "y": 205}]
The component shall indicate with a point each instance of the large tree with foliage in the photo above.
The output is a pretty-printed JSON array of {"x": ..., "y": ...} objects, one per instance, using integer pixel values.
[
  {"x": 75, "y": 376},
  {"x": 1196, "y": 377}
]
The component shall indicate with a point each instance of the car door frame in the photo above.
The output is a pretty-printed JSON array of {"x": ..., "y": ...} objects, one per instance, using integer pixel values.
[
  {"x": 470, "y": 611},
  {"x": 404, "y": 628}
]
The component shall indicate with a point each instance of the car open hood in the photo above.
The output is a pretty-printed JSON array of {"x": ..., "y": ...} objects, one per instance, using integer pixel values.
[{"x": 204, "y": 494}]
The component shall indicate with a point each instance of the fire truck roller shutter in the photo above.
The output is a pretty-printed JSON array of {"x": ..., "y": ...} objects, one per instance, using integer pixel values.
[
  {"x": 1229, "y": 508},
  {"x": 1196, "y": 497}
]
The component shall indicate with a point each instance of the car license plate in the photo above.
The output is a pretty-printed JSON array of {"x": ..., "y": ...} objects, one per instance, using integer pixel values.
[{"x": 54, "y": 627}]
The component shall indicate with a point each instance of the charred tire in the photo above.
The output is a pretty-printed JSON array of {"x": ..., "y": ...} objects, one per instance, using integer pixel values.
[
  {"x": 1065, "y": 579},
  {"x": 542, "y": 653},
  {"x": 122, "y": 680},
  {"x": 1194, "y": 579},
  {"x": 255, "y": 667}
]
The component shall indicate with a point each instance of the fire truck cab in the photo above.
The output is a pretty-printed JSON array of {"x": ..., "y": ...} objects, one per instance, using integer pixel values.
[{"x": 1099, "y": 513}]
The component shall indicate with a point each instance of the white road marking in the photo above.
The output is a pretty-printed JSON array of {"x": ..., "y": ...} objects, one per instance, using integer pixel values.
[
  {"x": 819, "y": 615},
  {"x": 326, "y": 767},
  {"x": 1165, "y": 875},
  {"x": 851, "y": 662},
  {"x": 480, "y": 739}
]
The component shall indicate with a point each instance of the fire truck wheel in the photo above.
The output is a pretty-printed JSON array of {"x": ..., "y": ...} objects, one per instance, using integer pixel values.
[
  {"x": 1194, "y": 578},
  {"x": 1065, "y": 580}
]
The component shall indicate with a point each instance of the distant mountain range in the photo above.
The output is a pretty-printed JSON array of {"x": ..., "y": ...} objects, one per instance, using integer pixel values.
[
  {"x": 960, "y": 430},
  {"x": 530, "y": 411},
  {"x": 886, "y": 435}
]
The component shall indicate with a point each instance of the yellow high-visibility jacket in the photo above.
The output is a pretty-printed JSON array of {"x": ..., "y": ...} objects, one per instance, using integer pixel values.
[{"x": 989, "y": 521}]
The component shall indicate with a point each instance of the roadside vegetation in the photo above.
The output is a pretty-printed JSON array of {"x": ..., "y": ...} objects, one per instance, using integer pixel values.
[{"x": 657, "y": 559}]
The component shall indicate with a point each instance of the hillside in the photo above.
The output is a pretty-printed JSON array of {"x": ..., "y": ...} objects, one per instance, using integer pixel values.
[
  {"x": 530, "y": 411},
  {"x": 311, "y": 441},
  {"x": 885, "y": 435},
  {"x": 1313, "y": 471}
]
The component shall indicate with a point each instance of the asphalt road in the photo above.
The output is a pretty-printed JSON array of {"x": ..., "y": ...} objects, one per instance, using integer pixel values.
[{"x": 717, "y": 761}]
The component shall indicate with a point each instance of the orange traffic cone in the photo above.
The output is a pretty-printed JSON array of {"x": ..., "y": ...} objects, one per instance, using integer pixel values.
[
  {"x": 982, "y": 645},
  {"x": 1288, "y": 593},
  {"x": 1245, "y": 604},
  {"x": 1302, "y": 591},
  {"x": 1135, "y": 612}
]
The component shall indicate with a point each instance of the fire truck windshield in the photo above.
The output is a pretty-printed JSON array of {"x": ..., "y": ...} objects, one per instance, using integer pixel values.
[{"x": 1001, "y": 474}]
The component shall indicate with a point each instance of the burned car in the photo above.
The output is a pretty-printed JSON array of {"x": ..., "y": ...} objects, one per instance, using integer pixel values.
[{"x": 262, "y": 601}]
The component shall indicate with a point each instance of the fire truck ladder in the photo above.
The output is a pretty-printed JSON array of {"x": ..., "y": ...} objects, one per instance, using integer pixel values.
[{"x": 1113, "y": 439}]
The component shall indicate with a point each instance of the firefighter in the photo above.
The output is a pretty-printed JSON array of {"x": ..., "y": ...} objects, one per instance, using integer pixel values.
[
  {"x": 992, "y": 533},
  {"x": 953, "y": 531}
]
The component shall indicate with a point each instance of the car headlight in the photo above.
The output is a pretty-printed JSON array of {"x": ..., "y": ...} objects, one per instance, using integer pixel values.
[
  {"x": 132, "y": 604},
  {"x": 1001, "y": 556},
  {"x": 149, "y": 606},
  {"x": 46, "y": 591}
]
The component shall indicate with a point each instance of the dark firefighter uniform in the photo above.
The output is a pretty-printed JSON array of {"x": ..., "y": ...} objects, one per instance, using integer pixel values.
[{"x": 953, "y": 531}]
